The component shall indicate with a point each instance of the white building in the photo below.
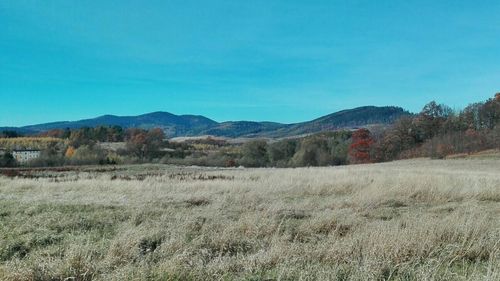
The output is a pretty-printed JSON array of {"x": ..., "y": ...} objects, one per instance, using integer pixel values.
[{"x": 25, "y": 155}]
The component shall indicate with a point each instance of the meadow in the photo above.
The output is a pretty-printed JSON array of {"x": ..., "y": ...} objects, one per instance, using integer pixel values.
[{"x": 406, "y": 220}]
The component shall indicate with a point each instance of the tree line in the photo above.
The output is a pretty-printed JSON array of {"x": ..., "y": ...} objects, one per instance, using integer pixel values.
[
  {"x": 437, "y": 131},
  {"x": 84, "y": 146}
]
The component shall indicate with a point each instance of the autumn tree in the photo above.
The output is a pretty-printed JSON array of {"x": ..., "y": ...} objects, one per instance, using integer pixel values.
[
  {"x": 136, "y": 142},
  {"x": 360, "y": 148},
  {"x": 83, "y": 136},
  {"x": 401, "y": 136},
  {"x": 145, "y": 144},
  {"x": 430, "y": 120},
  {"x": 70, "y": 152}
]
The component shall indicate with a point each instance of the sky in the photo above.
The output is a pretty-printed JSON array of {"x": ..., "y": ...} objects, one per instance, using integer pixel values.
[{"x": 263, "y": 60}]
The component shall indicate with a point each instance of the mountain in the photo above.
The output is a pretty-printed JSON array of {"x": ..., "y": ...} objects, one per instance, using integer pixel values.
[
  {"x": 193, "y": 125},
  {"x": 345, "y": 119},
  {"x": 172, "y": 124}
]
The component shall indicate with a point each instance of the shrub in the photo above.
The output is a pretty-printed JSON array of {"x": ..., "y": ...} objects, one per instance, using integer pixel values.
[
  {"x": 88, "y": 155},
  {"x": 254, "y": 154},
  {"x": 7, "y": 160}
]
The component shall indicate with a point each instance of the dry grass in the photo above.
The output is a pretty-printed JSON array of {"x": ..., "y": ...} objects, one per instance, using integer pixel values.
[
  {"x": 485, "y": 154},
  {"x": 408, "y": 220}
]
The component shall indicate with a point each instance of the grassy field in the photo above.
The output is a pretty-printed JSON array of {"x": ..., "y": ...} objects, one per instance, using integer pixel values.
[{"x": 407, "y": 220}]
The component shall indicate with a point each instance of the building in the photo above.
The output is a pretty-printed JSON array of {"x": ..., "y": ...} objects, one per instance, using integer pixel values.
[{"x": 23, "y": 156}]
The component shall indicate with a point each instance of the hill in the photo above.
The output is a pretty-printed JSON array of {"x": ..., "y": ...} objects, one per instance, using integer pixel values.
[
  {"x": 234, "y": 129},
  {"x": 194, "y": 125},
  {"x": 350, "y": 118}
]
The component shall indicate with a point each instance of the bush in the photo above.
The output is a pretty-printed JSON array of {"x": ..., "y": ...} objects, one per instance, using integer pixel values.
[
  {"x": 322, "y": 150},
  {"x": 88, "y": 155},
  {"x": 47, "y": 160},
  {"x": 7, "y": 160},
  {"x": 312, "y": 152},
  {"x": 281, "y": 152},
  {"x": 254, "y": 154}
]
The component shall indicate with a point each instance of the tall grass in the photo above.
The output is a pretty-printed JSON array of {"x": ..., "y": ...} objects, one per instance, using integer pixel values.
[{"x": 407, "y": 220}]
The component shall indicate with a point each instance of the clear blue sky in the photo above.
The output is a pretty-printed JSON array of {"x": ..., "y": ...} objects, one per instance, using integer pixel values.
[{"x": 282, "y": 60}]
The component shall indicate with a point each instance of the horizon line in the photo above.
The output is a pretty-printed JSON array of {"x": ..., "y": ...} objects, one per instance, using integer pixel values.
[{"x": 197, "y": 115}]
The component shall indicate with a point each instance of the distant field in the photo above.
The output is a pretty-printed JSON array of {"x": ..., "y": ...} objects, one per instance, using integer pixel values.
[
  {"x": 406, "y": 220},
  {"x": 29, "y": 142},
  {"x": 486, "y": 154}
]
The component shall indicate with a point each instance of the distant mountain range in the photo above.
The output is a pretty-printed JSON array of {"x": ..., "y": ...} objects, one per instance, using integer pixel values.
[{"x": 195, "y": 125}]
